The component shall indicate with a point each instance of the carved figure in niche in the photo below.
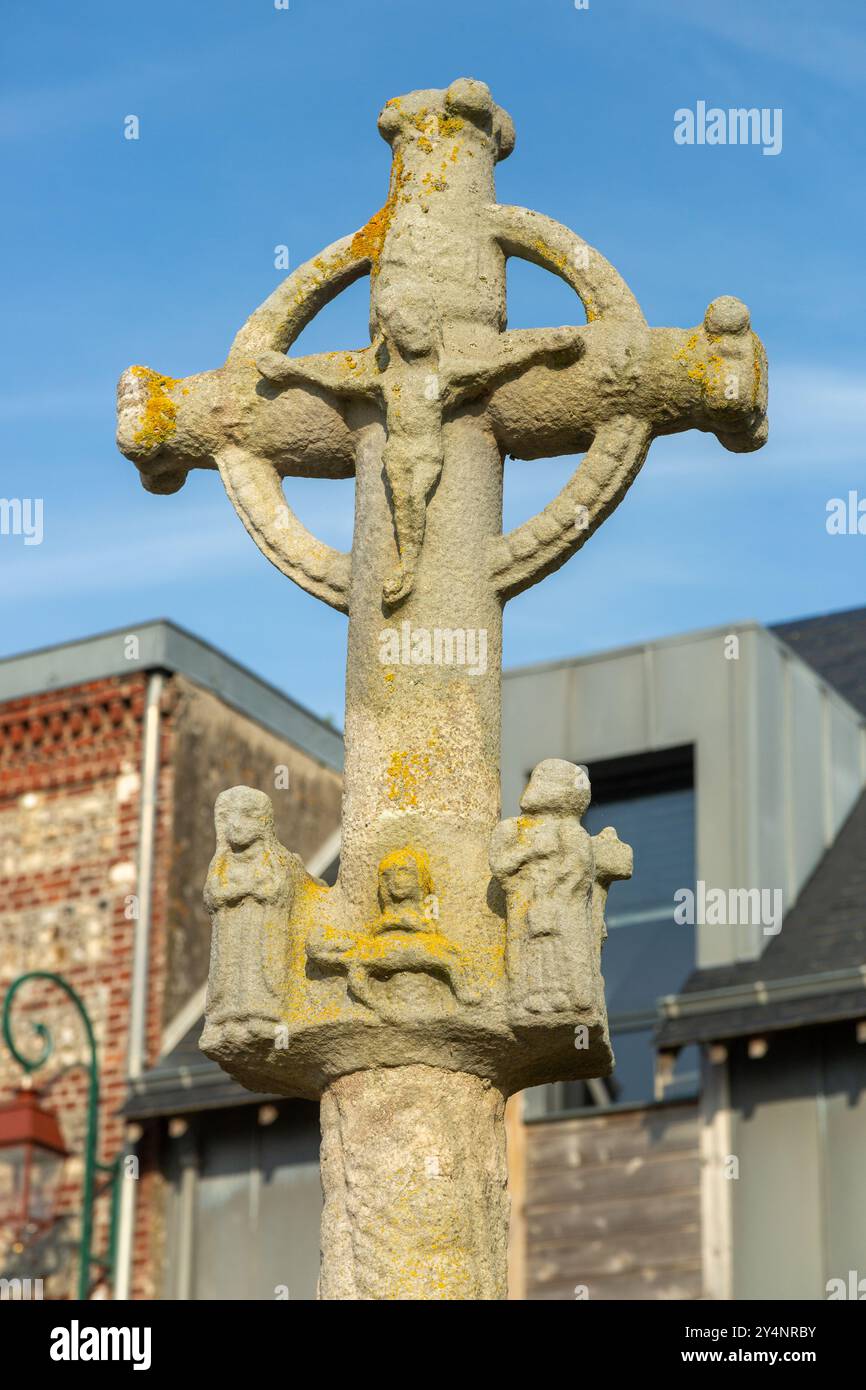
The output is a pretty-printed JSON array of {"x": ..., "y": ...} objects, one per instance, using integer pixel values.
[
  {"x": 249, "y": 892},
  {"x": 404, "y": 937},
  {"x": 555, "y": 886}
]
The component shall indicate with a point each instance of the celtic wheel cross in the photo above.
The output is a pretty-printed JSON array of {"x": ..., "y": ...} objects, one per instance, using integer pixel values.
[{"x": 456, "y": 960}]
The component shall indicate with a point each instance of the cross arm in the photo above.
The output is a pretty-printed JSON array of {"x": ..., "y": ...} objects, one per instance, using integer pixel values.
[
  {"x": 348, "y": 374},
  {"x": 630, "y": 384},
  {"x": 511, "y": 354},
  {"x": 254, "y": 431},
  {"x": 712, "y": 377}
]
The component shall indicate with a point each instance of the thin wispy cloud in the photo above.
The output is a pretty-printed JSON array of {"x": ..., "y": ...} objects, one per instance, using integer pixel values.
[{"x": 801, "y": 35}]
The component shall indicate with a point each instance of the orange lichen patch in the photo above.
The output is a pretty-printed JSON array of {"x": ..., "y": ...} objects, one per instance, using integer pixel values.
[
  {"x": 425, "y": 144},
  {"x": 404, "y": 774},
  {"x": 220, "y": 869},
  {"x": 708, "y": 373},
  {"x": 449, "y": 125},
  {"x": 348, "y": 363},
  {"x": 558, "y": 261},
  {"x": 300, "y": 1003},
  {"x": 159, "y": 416},
  {"x": 434, "y": 183},
  {"x": 756, "y": 371},
  {"x": 377, "y": 950},
  {"x": 556, "y": 258},
  {"x": 369, "y": 241}
]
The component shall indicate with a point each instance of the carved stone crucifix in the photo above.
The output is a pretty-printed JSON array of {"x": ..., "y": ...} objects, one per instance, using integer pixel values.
[{"x": 422, "y": 989}]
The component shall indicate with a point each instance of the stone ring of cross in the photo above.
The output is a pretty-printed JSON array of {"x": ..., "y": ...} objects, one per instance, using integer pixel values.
[{"x": 439, "y": 352}]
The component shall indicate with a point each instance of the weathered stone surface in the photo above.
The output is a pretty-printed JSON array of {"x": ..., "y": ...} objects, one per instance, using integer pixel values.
[
  {"x": 555, "y": 877},
  {"x": 413, "y": 1169},
  {"x": 300, "y": 993},
  {"x": 420, "y": 961}
]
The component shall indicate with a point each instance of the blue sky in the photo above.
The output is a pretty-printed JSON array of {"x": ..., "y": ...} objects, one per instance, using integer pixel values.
[{"x": 258, "y": 128}]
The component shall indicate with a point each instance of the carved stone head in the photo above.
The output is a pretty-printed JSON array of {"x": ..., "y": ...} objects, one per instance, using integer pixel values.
[
  {"x": 243, "y": 815},
  {"x": 465, "y": 108},
  {"x": 557, "y": 788},
  {"x": 404, "y": 876}
]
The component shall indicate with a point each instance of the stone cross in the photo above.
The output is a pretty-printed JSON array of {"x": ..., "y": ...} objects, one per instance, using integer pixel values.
[{"x": 457, "y": 959}]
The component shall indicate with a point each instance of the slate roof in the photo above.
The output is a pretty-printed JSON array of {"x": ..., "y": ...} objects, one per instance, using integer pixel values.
[
  {"x": 834, "y": 645},
  {"x": 186, "y": 1081},
  {"x": 815, "y": 969},
  {"x": 821, "y": 947}
]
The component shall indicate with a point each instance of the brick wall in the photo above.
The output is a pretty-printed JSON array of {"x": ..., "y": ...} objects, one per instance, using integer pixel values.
[
  {"x": 70, "y": 801},
  {"x": 69, "y": 808}
]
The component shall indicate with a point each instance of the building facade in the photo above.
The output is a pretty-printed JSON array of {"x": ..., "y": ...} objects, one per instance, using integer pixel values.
[
  {"x": 112, "y": 752},
  {"x": 726, "y": 1155}
]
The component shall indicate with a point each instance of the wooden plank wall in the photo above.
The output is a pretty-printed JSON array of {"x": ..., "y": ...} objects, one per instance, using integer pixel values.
[{"x": 612, "y": 1202}]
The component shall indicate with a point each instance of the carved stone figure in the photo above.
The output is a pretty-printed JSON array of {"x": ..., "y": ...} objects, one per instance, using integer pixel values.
[
  {"x": 249, "y": 892},
  {"x": 403, "y": 938},
  {"x": 548, "y": 867},
  {"x": 406, "y": 897},
  {"x": 381, "y": 1011}
]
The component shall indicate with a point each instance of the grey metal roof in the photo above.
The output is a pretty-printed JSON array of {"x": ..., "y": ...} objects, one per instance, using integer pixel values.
[
  {"x": 813, "y": 971},
  {"x": 823, "y": 937},
  {"x": 162, "y": 645},
  {"x": 186, "y": 1081},
  {"x": 834, "y": 645}
]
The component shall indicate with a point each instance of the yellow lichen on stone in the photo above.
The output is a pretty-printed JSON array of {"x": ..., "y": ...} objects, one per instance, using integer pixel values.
[
  {"x": 159, "y": 416},
  {"x": 707, "y": 373},
  {"x": 404, "y": 773},
  {"x": 408, "y": 858},
  {"x": 449, "y": 125},
  {"x": 756, "y": 371},
  {"x": 220, "y": 869},
  {"x": 369, "y": 241},
  {"x": 557, "y": 258}
]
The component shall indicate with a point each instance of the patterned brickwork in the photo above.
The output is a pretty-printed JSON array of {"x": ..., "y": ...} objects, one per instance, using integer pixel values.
[{"x": 69, "y": 823}]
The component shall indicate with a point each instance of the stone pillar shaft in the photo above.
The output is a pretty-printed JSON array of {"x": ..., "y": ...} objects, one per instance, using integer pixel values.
[
  {"x": 423, "y": 738},
  {"x": 414, "y": 1178}
]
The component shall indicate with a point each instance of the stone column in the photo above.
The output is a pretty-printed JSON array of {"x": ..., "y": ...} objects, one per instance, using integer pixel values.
[{"x": 414, "y": 1176}]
